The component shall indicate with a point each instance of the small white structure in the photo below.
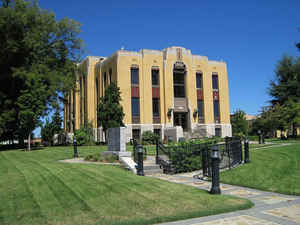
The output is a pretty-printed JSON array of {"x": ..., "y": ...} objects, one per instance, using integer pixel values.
[{"x": 173, "y": 133}]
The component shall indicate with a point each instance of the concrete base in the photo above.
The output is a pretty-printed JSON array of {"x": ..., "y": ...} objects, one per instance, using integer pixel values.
[{"x": 120, "y": 154}]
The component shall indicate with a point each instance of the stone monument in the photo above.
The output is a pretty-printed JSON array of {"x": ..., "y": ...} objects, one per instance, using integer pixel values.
[{"x": 117, "y": 141}]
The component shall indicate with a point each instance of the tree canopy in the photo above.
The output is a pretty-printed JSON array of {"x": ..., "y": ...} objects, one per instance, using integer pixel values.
[{"x": 37, "y": 64}]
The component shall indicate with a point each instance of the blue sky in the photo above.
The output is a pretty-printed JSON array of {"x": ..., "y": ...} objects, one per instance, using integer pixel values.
[{"x": 250, "y": 36}]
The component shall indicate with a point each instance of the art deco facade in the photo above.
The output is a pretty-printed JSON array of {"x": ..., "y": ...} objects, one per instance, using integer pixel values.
[{"x": 159, "y": 90}]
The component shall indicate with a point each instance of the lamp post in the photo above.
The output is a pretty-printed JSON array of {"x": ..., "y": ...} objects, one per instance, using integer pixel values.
[
  {"x": 140, "y": 166},
  {"x": 259, "y": 137},
  {"x": 246, "y": 145},
  {"x": 215, "y": 188},
  {"x": 75, "y": 147}
]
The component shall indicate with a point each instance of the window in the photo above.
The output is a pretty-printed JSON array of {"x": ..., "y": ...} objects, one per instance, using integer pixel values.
[
  {"x": 134, "y": 75},
  {"x": 198, "y": 80},
  {"x": 155, "y": 76},
  {"x": 104, "y": 80},
  {"x": 155, "y": 106},
  {"x": 179, "y": 91},
  {"x": 135, "y": 106},
  {"x": 136, "y": 134},
  {"x": 157, "y": 131},
  {"x": 218, "y": 132},
  {"x": 215, "y": 83},
  {"x": 110, "y": 75},
  {"x": 217, "y": 111},
  {"x": 200, "y": 108}
]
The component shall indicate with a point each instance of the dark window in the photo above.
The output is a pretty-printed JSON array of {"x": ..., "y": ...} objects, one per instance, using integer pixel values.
[
  {"x": 157, "y": 131},
  {"x": 216, "y": 109},
  {"x": 110, "y": 75},
  {"x": 200, "y": 108},
  {"x": 135, "y": 106},
  {"x": 198, "y": 80},
  {"x": 218, "y": 132},
  {"x": 155, "y": 106},
  {"x": 136, "y": 134},
  {"x": 179, "y": 90},
  {"x": 155, "y": 77},
  {"x": 215, "y": 83},
  {"x": 134, "y": 76},
  {"x": 105, "y": 80}
]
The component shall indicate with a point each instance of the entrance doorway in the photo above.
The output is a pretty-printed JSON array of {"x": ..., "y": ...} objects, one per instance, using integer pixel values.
[{"x": 180, "y": 119}]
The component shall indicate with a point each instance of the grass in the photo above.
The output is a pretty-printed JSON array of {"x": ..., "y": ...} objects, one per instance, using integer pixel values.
[
  {"x": 274, "y": 169},
  {"x": 36, "y": 189}
]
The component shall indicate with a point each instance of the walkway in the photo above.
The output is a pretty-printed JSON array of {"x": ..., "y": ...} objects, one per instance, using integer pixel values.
[{"x": 270, "y": 208}]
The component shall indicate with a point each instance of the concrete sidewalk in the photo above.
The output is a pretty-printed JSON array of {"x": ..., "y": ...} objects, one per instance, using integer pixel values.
[{"x": 270, "y": 208}]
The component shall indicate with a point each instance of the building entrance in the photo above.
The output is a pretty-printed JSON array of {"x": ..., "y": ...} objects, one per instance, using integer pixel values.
[{"x": 180, "y": 119}]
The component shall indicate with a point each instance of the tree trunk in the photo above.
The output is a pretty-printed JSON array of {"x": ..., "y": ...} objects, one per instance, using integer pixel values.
[
  {"x": 294, "y": 130},
  {"x": 29, "y": 139}
]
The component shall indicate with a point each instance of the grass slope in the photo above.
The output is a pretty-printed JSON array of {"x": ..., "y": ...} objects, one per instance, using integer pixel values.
[
  {"x": 36, "y": 189},
  {"x": 274, "y": 169}
]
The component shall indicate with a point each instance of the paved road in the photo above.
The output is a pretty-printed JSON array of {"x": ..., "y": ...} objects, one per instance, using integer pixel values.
[{"x": 270, "y": 208}]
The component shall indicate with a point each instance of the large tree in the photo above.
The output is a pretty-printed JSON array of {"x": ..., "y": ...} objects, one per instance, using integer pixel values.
[
  {"x": 37, "y": 64},
  {"x": 110, "y": 112},
  {"x": 286, "y": 83},
  {"x": 284, "y": 89}
]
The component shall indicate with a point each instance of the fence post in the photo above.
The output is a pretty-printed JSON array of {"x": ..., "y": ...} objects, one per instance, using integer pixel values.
[
  {"x": 227, "y": 146},
  {"x": 215, "y": 188},
  {"x": 204, "y": 160},
  {"x": 75, "y": 147},
  {"x": 241, "y": 148},
  {"x": 156, "y": 156},
  {"x": 140, "y": 167},
  {"x": 246, "y": 146}
]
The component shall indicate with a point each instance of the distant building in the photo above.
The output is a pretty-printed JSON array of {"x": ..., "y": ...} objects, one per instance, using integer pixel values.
[{"x": 159, "y": 89}]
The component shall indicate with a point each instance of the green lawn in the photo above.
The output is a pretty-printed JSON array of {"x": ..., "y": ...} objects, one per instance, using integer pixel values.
[
  {"x": 36, "y": 189},
  {"x": 272, "y": 169}
]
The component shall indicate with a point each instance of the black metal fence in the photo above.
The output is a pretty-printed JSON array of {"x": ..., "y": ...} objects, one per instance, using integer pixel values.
[{"x": 230, "y": 155}]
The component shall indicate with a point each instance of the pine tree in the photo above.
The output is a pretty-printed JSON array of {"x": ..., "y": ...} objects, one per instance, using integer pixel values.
[{"x": 110, "y": 112}]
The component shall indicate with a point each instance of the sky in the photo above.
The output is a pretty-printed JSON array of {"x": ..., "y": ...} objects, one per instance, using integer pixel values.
[{"x": 250, "y": 36}]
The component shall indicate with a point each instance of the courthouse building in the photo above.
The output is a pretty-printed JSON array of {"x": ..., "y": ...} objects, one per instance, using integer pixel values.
[{"x": 169, "y": 91}]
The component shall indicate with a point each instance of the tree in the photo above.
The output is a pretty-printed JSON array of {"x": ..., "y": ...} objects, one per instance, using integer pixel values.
[
  {"x": 239, "y": 123},
  {"x": 285, "y": 91},
  {"x": 51, "y": 128},
  {"x": 110, "y": 112},
  {"x": 286, "y": 82},
  {"x": 37, "y": 64}
]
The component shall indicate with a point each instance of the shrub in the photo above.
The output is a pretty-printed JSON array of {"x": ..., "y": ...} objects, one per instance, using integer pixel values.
[
  {"x": 81, "y": 137},
  {"x": 185, "y": 160},
  {"x": 84, "y": 135},
  {"x": 100, "y": 157},
  {"x": 148, "y": 137}
]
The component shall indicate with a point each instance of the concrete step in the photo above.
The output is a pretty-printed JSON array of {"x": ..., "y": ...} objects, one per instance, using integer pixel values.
[
  {"x": 149, "y": 172},
  {"x": 151, "y": 167}
]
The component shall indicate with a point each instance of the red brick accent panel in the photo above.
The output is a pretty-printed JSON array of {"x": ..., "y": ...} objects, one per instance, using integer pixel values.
[
  {"x": 199, "y": 94},
  {"x": 135, "y": 92},
  {"x": 216, "y": 95},
  {"x": 155, "y": 92}
]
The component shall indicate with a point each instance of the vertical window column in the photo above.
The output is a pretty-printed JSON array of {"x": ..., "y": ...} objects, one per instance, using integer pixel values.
[
  {"x": 216, "y": 103},
  {"x": 155, "y": 95},
  {"x": 135, "y": 95},
  {"x": 200, "y": 105}
]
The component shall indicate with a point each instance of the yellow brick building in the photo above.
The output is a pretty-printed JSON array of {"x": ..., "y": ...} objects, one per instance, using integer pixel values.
[{"x": 163, "y": 91}]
